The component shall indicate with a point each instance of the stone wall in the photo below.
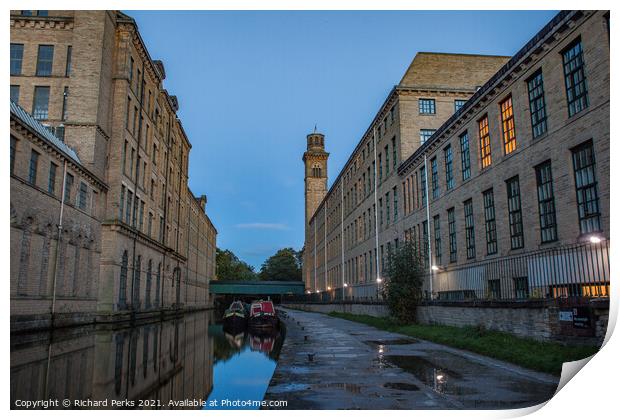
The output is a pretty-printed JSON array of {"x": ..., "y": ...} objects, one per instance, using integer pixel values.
[{"x": 538, "y": 320}]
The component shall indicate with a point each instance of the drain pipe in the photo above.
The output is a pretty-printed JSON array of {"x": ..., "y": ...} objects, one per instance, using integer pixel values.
[{"x": 58, "y": 241}]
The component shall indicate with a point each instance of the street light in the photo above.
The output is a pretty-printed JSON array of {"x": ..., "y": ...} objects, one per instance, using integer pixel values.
[
  {"x": 595, "y": 239},
  {"x": 379, "y": 280},
  {"x": 329, "y": 288},
  {"x": 346, "y": 285}
]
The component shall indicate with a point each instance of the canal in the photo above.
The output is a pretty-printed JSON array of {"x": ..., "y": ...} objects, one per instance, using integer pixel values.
[{"x": 175, "y": 363}]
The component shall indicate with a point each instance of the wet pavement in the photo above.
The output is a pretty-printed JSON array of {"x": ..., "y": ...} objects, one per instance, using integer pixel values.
[{"x": 331, "y": 363}]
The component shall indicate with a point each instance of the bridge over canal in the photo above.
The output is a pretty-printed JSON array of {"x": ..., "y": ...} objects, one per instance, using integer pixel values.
[{"x": 248, "y": 290}]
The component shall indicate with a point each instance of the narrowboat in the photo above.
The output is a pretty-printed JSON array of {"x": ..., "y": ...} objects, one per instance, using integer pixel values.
[
  {"x": 263, "y": 316},
  {"x": 235, "y": 318}
]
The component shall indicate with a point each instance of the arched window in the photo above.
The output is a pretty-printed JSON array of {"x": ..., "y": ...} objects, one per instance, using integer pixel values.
[
  {"x": 122, "y": 288},
  {"x": 136, "y": 282},
  {"x": 316, "y": 171},
  {"x": 149, "y": 269}
]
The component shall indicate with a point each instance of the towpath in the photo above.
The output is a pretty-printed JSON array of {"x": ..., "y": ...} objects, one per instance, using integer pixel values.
[{"x": 331, "y": 363}]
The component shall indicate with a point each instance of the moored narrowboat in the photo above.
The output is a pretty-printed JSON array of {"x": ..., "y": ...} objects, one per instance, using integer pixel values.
[
  {"x": 263, "y": 316},
  {"x": 235, "y": 318}
]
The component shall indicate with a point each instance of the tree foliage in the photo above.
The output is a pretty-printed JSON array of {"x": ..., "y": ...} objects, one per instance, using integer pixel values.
[
  {"x": 284, "y": 265},
  {"x": 230, "y": 267},
  {"x": 403, "y": 290}
]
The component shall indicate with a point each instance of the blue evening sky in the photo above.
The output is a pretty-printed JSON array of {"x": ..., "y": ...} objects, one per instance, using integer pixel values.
[{"x": 251, "y": 85}]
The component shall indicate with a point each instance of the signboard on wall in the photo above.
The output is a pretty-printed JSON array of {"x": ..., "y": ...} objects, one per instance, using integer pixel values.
[{"x": 581, "y": 318}]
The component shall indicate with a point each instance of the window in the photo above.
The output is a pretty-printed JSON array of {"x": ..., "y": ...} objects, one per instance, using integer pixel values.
[
  {"x": 41, "y": 102},
  {"x": 128, "y": 207},
  {"x": 150, "y": 224},
  {"x": 458, "y": 104},
  {"x": 425, "y": 134},
  {"x": 485, "y": 142},
  {"x": 15, "y": 93},
  {"x": 452, "y": 234},
  {"x": 122, "y": 292},
  {"x": 508, "y": 126},
  {"x": 68, "y": 65},
  {"x": 316, "y": 171},
  {"x": 546, "y": 203},
  {"x": 41, "y": 12},
  {"x": 17, "y": 57},
  {"x": 13, "y": 152},
  {"x": 494, "y": 288},
  {"x": 395, "y": 196},
  {"x": 65, "y": 96},
  {"x": 423, "y": 184},
  {"x": 131, "y": 69},
  {"x": 381, "y": 212},
  {"x": 26, "y": 12},
  {"x": 522, "y": 289},
  {"x": 465, "y": 160},
  {"x": 45, "y": 60},
  {"x": 68, "y": 187},
  {"x": 127, "y": 111},
  {"x": 121, "y": 204},
  {"x": 427, "y": 106},
  {"x": 425, "y": 240},
  {"x": 387, "y": 160},
  {"x": 447, "y": 153},
  {"x": 51, "y": 183},
  {"x": 514, "y": 213},
  {"x": 538, "y": 112},
  {"x": 387, "y": 208},
  {"x": 575, "y": 78},
  {"x": 32, "y": 172},
  {"x": 489, "y": 221},
  {"x": 470, "y": 239},
  {"x": 83, "y": 196},
  {"x": 437, "y": 231},
  {"x": 394, "y": 159},
  {"x": 434, "y": 178},
  {"x": 380, "y": 168},
  {"x": 586, "y": 188}
]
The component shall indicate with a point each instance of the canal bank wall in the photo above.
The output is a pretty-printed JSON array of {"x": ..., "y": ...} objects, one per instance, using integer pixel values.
[{"x": 539, "y": 320}]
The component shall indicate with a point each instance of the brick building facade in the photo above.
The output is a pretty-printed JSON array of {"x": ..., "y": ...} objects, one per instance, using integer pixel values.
[
  {"x": 89, "y": 77},
  {"x": 521, "y": 165}
]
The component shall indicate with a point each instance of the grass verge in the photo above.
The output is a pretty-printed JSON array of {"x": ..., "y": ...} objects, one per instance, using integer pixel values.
[{"x": 541, "y": 356}]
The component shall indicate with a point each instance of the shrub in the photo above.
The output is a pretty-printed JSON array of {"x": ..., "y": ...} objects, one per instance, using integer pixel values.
[{"x": 403, "y": 289}]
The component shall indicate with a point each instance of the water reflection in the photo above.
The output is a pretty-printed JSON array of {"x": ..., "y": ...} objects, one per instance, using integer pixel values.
[
  {"x": 244, "y": 364},
  {"x": 112, "y": 367}
]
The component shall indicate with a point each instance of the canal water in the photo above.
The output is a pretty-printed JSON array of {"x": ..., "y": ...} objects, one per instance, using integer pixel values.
[{"x": 176, "y": 363}]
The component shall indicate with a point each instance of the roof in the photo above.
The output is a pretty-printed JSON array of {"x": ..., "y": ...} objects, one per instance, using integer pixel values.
[
  {"x": 451, "y": 70},
  {"x": 43, "y": 132}
]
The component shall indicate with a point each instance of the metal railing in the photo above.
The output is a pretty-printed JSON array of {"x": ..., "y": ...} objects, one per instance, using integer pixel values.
[{"x": 578, "y": 271}]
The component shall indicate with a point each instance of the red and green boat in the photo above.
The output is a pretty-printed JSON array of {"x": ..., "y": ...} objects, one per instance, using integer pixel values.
[{"x": 263, "y": 316}]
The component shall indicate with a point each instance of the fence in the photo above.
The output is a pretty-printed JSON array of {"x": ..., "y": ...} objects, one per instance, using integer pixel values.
[{"x": 569, "y": 272}]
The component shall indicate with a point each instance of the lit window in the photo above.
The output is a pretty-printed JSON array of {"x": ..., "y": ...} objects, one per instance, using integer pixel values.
[
  {"x": 508, "y": 126},
  {"x": 485, "y": 142}
]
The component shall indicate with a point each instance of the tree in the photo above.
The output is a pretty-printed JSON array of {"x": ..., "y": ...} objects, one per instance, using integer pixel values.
[
  {"x": 283, "y": 265},
  {"x": 230, "y": 267},
  {"x": 403, "y": 290}
]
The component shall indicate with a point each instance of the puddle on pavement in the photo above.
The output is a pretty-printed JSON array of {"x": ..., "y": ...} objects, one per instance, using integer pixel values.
[
  {"x": 401, "y": 386},
  {"x": 394, "y": 342},
  {"x": 351, "y": 388},
  {"x": 438, "y": 378}
]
